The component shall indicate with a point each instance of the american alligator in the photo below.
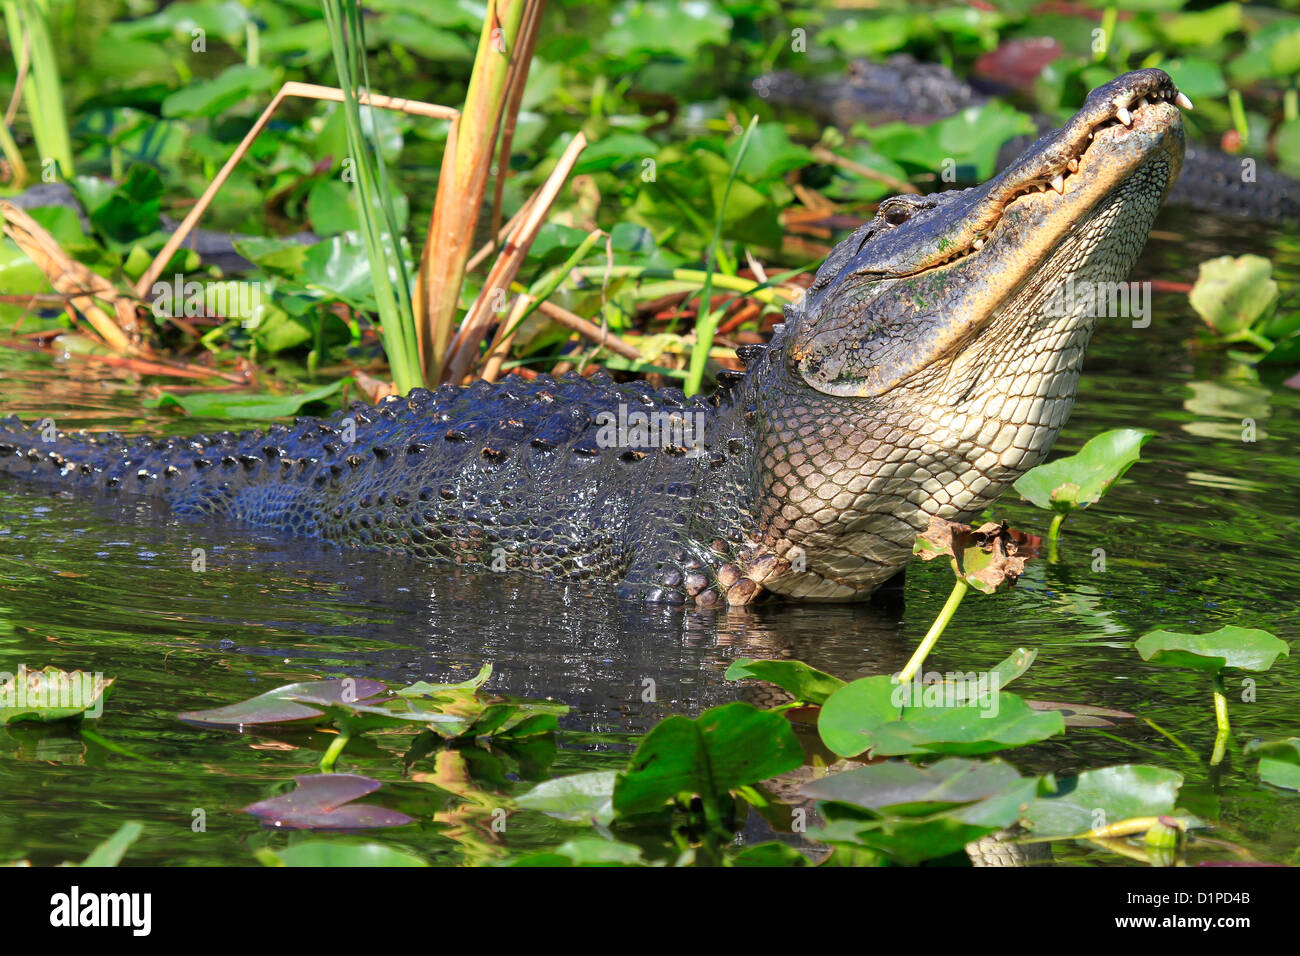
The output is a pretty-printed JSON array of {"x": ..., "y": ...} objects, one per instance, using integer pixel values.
[
  {"x": 923, "y": 373},
  {"x": 903, "y": 89}
]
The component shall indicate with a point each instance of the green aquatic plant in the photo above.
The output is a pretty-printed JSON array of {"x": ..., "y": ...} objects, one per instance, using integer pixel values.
[
  {"x": 1237, "y": 297},
  {"x": 1228, "y": 648},
  {"x": 1079, "y": 481},
  {"x": 452, "y": 712}
]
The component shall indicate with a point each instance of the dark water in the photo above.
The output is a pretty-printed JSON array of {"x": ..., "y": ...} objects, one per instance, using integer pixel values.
[{"x": 1203, "y": 533}]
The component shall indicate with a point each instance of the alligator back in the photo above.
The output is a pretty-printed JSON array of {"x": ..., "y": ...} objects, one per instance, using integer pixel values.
[{"x": 511, "y": 475}]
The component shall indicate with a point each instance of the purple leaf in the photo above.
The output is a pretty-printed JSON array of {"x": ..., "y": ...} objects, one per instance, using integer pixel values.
[
  {"x": 324, "y": 802},
  {"x": 275, "y": 706}
]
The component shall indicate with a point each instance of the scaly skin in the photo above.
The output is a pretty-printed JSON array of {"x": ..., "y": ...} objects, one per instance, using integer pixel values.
[
  {"x": 921, "y": 377},
  {"x": 903, "y": 89}
]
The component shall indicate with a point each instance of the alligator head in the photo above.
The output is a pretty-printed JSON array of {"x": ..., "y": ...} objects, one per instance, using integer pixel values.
[{"x": 935, "y": 356}]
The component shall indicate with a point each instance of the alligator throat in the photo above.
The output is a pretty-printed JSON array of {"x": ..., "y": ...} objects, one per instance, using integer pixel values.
[{"x": 933, "y": 361}]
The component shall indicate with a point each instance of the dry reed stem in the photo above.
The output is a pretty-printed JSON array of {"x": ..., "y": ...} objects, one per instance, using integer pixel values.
[
  {"x": 306, "y": 91},
  {"x": 77, "y": 283},
  {"x": 464, "y": 348}
]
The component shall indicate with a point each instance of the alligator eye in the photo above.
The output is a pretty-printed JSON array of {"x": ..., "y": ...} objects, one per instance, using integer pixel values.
[{"x": 898, "y": 214}]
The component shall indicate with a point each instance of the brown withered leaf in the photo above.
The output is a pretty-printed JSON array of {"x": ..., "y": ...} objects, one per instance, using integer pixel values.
[{"x": 988, "y": 558}]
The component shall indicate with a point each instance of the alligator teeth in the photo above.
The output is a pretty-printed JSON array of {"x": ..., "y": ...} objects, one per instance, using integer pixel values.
[
  {"x": 1073, "y": 164},
  {"x": 1124, "y": 116},
  {"x": 1182, "y": 100},
  {"x": 1143, "y": 101},
  {"x": 978, "y": 244},
  {"x": 1058, "y": 183}
]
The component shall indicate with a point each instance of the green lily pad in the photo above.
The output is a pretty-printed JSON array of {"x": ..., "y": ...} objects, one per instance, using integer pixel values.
[
  {"x": 259, "y": 407},
  {"x": 1279, "y": 761},
  {"x": 585, "y": 851},
  {"x": 1098, "y": 798},
  {"x": 1078, "y": 481},
  {"x": 969, "y": 729},
  {"x": 726, "y": 747},
  {"x": 50, "y": 695},
  {"x": 913, "y": 814},
  {"x": 1232, "y": 293},
  {"x": 851, "y": 713},
  {"x": 1243, "y": 648},
  {"x": 580, "y": 797},
  {"x": 771, "y": 853},
  {"x": 911, "y": 790},
  {"x": 329, "y": 853},
  {"x": 879, "y": 715},
  {"x": 795, "y": 677}
]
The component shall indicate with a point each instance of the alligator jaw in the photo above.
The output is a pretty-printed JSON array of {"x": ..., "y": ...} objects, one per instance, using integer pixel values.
[{"x": 919, "y": 289}]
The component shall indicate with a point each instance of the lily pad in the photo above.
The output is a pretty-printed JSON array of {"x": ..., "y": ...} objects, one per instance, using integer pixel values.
[
  {"x": 850, "y": 714},
  {"x": 585, "y": 851},
  {"x": 1279, "y": 761},
  {"x": 912, "y": 790},
  {"x": 1097, "y": 798},
  {"x": 873, "y": 714},
  {"x": 1243, "y": 648},
  {"x": 1083, "y": 715},
  {"x": 257, "y": 407},
  {"x": 726, "y": 747},
  {"x": 328, "y": 853},
  {"x": 279, "y": 706},
  {"x": 1232, "y": 293},
  {"x": 771, "y": 853},
  {"x": 795, "y": 677},
  {"x": 969, "y": 729},
  {"x": 1078, "y": 481},
  {"x": 580, "y": 797},
  {"x": 913, "y": 814},
  {"x": 324, "y": 802},
  {"x": 50, "y": 695}
]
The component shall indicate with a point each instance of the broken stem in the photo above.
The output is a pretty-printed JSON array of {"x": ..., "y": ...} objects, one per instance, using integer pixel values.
[{"x": 959, "y": 590}]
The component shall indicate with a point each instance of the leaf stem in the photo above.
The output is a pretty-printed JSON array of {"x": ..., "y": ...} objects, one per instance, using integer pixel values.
[
  {"x": 1054, "y": 538},
  {"x": 959, "y": 590},
  {"x": 1221, "y": 719},
  {"x": 332, "y": 752}
]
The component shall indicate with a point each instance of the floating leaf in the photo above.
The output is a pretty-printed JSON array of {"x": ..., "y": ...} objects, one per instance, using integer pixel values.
[
  {"x": 726, "y": 747},
  {"x": 50, "y": 695},
  {"x": 585, "y": 851},
  {"x": 580, "y": 797},
  {"x": 795, "y": 677},
  {"x": 1083, "y": 715},
  {"x": 279, "y": 706},
  {"x": 243, "y": 405},
  {"x": 1279, "y": 761},
  {"x": 1244, "y": 648},
  {"x": 1005, "y": 720},
  {"x": 852, "y": 712},
  {"x": 913, "y": 814},
  {"x": 324, "y": 802},
  {"x": 1078, "y": 481},
  {"x": 771, "y": 853},
  {"x": 1095, "y": 798},
  {"x": 1232, "y": 293},
  {"x": 329, "y": 853}
]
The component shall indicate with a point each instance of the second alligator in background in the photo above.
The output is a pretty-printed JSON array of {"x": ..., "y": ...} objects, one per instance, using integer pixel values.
[{"x": 903, "y": 89}]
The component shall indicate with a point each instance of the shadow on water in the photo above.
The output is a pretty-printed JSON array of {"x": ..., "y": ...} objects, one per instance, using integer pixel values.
[{"x": 1200, "y": 535}]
